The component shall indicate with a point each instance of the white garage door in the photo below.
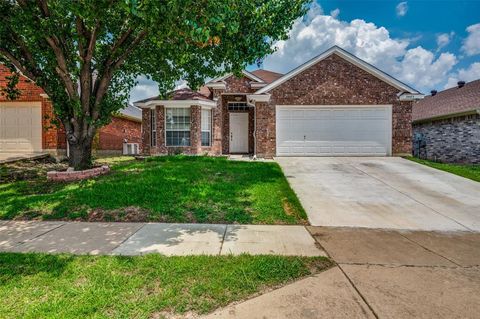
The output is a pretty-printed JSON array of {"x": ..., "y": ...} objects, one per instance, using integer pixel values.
[
  {"x": 20, "y": 127},
  {"x": 334, "y": 130}
]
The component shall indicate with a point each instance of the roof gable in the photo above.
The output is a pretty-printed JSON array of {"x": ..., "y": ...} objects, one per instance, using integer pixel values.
[
  {"x": 247, "y": 74},
  {"x": 348, "y": 57}
]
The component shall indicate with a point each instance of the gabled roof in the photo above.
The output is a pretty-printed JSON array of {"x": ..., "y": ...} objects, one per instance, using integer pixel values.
[
  {"x": 350, "y": 58},
  {"x": 247, "y": 74},
  {"x": 131, "y": 112},
  {"x": 178, "y": 95},
  {"x": 266, "y": 75},
  {"x": 456, "y": 100}
]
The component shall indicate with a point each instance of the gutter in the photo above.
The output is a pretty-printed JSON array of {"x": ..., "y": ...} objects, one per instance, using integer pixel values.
[{"x": 446, "y": 116}]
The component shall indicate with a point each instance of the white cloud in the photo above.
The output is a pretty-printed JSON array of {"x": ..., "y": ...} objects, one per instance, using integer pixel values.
[
  {"x": 469, "y": 74},
  {"x": 335, "y": 13},
  {"x": 401, "y": 9},
  {"x": 417, "y": 66},
  {"x": 443, "y": 39},
  {"x": 144, "y": 89},
  {"x": 471, "y": 45}
]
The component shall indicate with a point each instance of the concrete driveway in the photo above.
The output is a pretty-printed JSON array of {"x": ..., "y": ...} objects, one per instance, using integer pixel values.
[{"x": 386, "y": 192}]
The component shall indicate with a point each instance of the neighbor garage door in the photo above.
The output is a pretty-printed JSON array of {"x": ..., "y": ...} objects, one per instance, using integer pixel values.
[
  {"x": 334, "y": 130},
  {"x": 20, "y": 127}
]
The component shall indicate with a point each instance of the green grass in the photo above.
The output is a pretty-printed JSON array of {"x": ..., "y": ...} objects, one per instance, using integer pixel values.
[
  {"x": 468, "y": 171},
  {"x": 168, "y": 189},
  {"x": 67, "y": 286}
]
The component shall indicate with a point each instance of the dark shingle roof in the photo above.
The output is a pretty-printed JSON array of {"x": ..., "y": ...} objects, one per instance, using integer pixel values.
[
  {"x": 179, "y": 95},
  {"x": 267, "y": 76},
  {"x": 451, "y": 101}
]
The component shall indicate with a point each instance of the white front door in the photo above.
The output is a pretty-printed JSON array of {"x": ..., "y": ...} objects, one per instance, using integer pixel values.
[{"x": 238, "y": 132}]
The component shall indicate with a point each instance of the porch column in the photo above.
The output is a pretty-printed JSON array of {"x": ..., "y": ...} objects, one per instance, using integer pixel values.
[
  {"x": 196, "y": 129},
  {"x": 146, "y": 131}
]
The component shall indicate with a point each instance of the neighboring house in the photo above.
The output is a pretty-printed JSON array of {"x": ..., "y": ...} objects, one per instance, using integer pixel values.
[
  {"x": 26, "y": 127},
  {"x": 447, "y": 124},
  {"x": 335, "y": 104}
]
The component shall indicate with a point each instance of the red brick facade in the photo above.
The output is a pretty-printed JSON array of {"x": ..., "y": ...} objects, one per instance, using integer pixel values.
[
  {"x": 112, "y": 136},
  {"x": 29, "y": 92},
  {"x": 54, "y": 138},
  {"x": 332, "y": 81},
  {"x": 195, "y": 133}
]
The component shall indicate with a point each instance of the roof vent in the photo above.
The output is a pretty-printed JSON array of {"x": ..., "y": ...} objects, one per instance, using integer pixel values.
[
  {"x": 433, "y": 92},
  {"x": 461, "y": 84}
]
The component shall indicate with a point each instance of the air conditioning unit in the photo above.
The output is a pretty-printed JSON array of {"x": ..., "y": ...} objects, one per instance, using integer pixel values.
[{"x": 131, "y": 148}]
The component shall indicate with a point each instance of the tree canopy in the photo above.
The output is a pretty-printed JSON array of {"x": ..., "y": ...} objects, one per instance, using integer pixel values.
[{"x": 87, "y": 54}]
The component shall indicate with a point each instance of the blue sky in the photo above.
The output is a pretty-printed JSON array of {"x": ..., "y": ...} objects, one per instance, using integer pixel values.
[{"x": 427, "y": 44}]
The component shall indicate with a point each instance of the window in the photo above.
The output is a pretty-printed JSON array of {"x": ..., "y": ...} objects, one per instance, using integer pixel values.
[
  {"x": 153, "y": 127},
  {"x": 238, "y": 106},
  {"x": 206, "y": 127},
  {"x": 177, "y": 124}
]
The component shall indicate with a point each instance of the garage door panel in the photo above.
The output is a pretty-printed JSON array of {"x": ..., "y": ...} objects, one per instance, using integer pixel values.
[
  {"x": 21, "y": 127},
  {"x": 333, "y": 131}
]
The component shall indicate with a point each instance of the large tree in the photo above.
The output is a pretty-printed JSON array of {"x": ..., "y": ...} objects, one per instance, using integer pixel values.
[{"x": 87, "y": 54}]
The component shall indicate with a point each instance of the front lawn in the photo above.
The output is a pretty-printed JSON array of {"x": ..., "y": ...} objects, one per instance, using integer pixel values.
[
  {"x": 151, "y": 286},
  {"x": 468, "y": 171},
  {"x": 165, "y": 189}
]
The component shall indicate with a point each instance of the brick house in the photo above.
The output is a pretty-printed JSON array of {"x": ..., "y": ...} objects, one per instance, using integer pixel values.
[
  {"x": 446, "y": 124},
  {"x": 26, "y": 124},
  {"x": 335, "y": 104}
]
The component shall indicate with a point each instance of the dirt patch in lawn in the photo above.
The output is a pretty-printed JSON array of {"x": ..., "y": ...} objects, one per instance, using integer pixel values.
[
  {"x": 291, "y": 211},
  {"x": 127, "y": 214},
  {"x": 29, "y": 169}
]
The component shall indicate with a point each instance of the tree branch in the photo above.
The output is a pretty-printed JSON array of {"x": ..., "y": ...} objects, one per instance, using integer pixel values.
[{"x": 18, "y": 64}]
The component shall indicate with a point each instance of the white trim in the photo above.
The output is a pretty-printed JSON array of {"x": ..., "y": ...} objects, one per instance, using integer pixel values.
[
  {"x": 257, "y": 85},
  {"x": 258, "y": 98},
  {"x": 335, "y": 106},
  {"x": 350, "y": 58},
  {"x": 216, "y": 85},
  {"x": 44, "y": 95},
  {"x": 244, "y": 72},
  {"x": 410, "y": 97},
  {"x": 176, "y": 103}
]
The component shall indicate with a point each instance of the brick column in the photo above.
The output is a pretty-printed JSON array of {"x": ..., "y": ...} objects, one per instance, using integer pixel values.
[
  {"x": 161, "y": 147},
  {"x": 146, "y": 131},
  {"x": 195, "y": 129},
  {"x": 265, "y": 129}
]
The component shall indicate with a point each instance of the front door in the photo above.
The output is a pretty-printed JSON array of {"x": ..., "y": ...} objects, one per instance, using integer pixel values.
[{"x": 238, "y": 132}]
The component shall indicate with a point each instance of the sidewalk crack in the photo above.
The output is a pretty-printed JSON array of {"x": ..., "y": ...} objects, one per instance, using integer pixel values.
[
  {"x": 223, "y": 239},
  {"x": 358, "y": 292}
]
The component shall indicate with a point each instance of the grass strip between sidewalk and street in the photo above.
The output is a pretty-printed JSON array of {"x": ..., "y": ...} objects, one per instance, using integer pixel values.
[{"x": 150, "y": 286}]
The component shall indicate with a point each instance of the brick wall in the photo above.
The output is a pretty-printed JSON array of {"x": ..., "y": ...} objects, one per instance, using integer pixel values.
[
  {"x": 454, "y": 140},
  {"x": 226, "y": 122},
  {"x": 334, "y": 81},
  {"x": 51, "y": 135},
  {"x": 195, "y": 134},
  {"x": 112, "y": 136}
]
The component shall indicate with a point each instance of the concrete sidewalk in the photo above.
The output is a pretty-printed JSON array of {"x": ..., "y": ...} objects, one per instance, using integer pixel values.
[
  {"x": 144, "y": 238},
  {"x": 379, "y": 274}
]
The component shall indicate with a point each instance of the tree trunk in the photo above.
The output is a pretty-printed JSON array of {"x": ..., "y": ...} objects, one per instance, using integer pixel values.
[{"x": 80, "y": 154}]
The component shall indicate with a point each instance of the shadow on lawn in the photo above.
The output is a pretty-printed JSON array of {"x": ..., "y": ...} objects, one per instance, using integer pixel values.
[
  {"x": 14, "y": 265},
  {"x": 172, "y": 189}
]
